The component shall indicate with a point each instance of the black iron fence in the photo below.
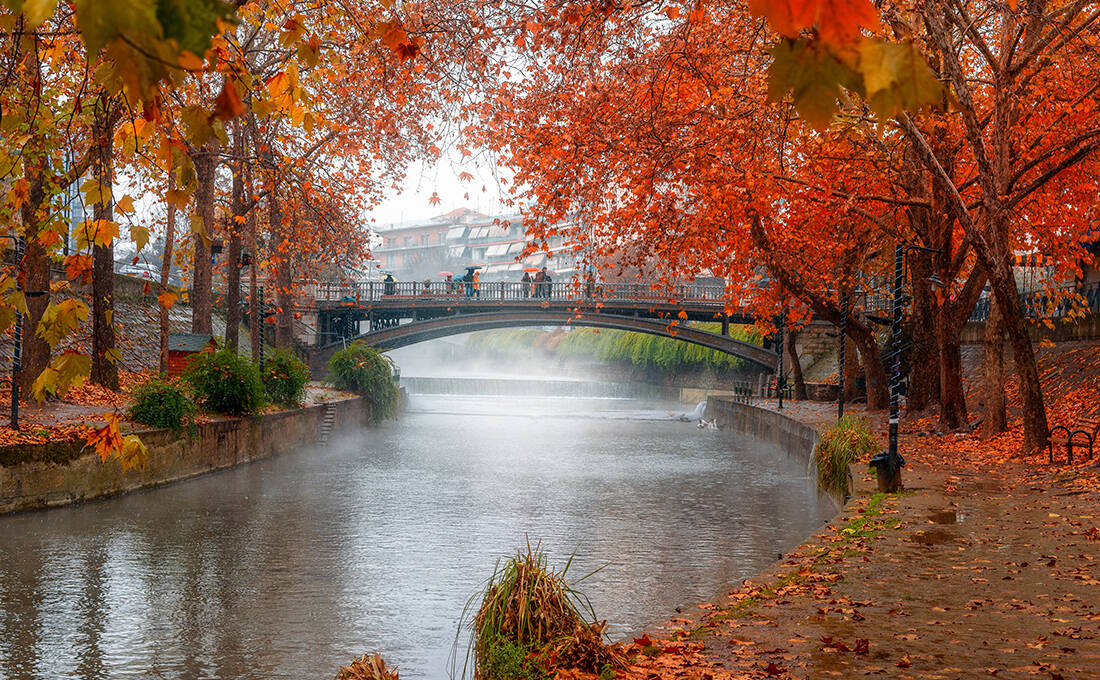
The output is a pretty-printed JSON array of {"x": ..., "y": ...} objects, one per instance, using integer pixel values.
[{"x": 1055, "y": 303}]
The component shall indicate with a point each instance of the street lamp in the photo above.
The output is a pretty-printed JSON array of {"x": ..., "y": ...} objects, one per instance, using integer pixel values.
[{"x": 888, "y": 464}]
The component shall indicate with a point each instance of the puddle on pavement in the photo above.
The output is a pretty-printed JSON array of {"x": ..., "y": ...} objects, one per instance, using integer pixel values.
[
  {"x": 932, "y": 537},
  {"x": 944, "y": 517}
]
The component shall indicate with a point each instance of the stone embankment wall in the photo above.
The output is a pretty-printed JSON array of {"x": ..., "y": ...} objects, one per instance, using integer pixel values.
[
  {"x": 794, "y": 438},
  {"x": 53, "y": 477}
]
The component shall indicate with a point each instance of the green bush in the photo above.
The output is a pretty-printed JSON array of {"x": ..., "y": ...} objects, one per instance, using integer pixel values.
[
  {"x": 159, "y": 403},
  {"x": 362, "y": 369},
  {"x": 225, "y": 382},
  {"x": 841, "y": 445},
  {"x": 285, "y": 378}
]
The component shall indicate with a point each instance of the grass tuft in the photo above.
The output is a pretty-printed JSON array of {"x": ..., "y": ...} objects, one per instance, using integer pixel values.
[
  {"x": 367, "y": 668},
  {"x": 531, "y": 622},
  {"x": 841, "y": 445}
]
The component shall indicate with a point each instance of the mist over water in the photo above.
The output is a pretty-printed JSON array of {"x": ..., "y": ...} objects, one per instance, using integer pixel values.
[{"x": 287, "y": 568}]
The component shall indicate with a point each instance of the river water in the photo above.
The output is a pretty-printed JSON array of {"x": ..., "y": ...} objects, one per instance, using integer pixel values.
[{"x": 287, "y": 568}]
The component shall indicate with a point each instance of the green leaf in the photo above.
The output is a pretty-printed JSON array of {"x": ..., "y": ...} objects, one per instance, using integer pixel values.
[
  {"x": 813, "y": 76},
  {"x": 896, "y": 77},
  {"x": 60, "y": 319}
]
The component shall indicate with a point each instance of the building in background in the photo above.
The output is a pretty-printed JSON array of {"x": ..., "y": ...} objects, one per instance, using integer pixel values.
[{"x": 465, "y": 238}]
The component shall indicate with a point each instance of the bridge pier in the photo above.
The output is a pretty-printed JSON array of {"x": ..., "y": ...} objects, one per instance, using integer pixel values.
[{"x": 725, "y": 325}]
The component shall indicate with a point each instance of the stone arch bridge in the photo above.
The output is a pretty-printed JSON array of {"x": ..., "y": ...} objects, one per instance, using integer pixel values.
[{"x": 406, "y": 313}]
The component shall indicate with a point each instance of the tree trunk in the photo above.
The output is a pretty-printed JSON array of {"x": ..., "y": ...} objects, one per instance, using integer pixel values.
[
  {"x": 952, "y": 398},
  {"x": 851, "y": 369},
  {"x": 284, "y": 300},
  {"x": 233, "y": 235},
  {"x": 796, "y": 366},
  {"x": 202, "y": 296},
  {"x": 104, "y": 353},
  {"x": 878, "y": 386},
  {"x": 165, "y": 273},
  {"x": 255, "y": 304},
  {"x": 36, "y": 279},
  {"x": 924, "y": 374},
  {"x": 1015, "y": 325},
  {"x": 995, "y": 419}
]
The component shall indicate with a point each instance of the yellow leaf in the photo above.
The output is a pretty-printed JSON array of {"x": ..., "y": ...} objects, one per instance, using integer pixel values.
[
  {"x": 37, "y": 11},
  {"x": 125, "y": 206},
  {"x": 139, "y": 235},
  {"x": 95, "y": 192},
  {"x": 133, "y": 454},
  {"x": 61, "y": 319}
]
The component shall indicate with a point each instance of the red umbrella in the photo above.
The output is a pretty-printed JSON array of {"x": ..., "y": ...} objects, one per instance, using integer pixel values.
[
  {"x": 446, "y": 274},
  {"x": 531, "y": 269}
]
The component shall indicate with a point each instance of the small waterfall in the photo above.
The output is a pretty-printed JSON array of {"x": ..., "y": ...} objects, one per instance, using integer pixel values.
[{"x": 700, "y": 410}]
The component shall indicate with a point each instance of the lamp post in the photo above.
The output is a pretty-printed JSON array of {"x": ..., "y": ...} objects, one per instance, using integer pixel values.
[
  {"x": 17, "y": 351},
  {"x": 842, "y": 357},
  {"x": 779, "y": 373},
  {"x": 888, "y": 464}
]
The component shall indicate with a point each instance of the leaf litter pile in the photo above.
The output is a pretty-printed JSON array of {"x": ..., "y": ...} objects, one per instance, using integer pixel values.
[{"x": 985, "y": 566}]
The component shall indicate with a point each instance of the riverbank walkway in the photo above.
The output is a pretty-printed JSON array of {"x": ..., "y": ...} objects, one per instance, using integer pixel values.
[{"x": 987, "y": 565}]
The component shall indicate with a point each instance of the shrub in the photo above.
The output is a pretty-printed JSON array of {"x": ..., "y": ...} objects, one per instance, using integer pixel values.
[
  {"x": 362, "y": 369},
  {"x": 225, "y": 382},
  {"x": 285, "y": 378},
  {"x": 841, "y": 445},
  {"x": 530, "y": 624},
  {"x": 159, "y": 403}
]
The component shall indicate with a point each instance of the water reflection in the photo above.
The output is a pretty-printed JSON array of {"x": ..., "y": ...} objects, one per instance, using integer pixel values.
[{"x": 289, "y": 567}]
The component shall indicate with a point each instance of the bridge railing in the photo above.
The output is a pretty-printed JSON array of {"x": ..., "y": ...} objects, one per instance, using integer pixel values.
[
  {"x": 377, "y": 291},
  {"x": 1050, "y": 304}
]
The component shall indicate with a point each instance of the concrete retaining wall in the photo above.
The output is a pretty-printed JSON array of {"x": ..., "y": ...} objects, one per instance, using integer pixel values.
[
  {"x": 172, "y": 456},
  {"x": 796, "y": 439}
]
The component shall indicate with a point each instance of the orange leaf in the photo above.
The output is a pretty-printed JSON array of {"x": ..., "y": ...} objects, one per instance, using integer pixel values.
[
  {"x": 107, "y": 440},
  {"x": 167, "y": 299},
  {"x": 228, "y": 105}
]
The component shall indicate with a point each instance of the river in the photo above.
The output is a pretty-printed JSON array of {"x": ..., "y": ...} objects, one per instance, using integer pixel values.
[{"x": 287, "y": 568}]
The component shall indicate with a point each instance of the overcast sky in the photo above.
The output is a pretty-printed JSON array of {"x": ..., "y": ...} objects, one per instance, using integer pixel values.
[{"x": 483, "y": 193}]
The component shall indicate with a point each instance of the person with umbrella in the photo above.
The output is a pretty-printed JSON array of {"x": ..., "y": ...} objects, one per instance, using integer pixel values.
[
  {"x": 540, "y": 278},
  {"x": 526, "y": 281},
  {"x": 448, "y": 282},
  {"x": 389, "y": 284},
  {"x": 546, "y": 281}
]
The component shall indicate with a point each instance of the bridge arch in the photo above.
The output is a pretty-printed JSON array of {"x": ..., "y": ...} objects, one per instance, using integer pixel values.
[{"x": 443, "y": 326}]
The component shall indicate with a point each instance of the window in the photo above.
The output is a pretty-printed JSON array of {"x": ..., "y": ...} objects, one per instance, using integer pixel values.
[
  {"x": 424, "y": 238},
  {"x": 442, "y": 237}
]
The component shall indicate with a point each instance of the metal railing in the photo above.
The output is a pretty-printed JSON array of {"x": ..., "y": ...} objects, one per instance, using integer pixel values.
[
  {"x": 1050, "y": 304},
  {"x": 742, "y": 392},
  {"x": 377, "y": 291}
]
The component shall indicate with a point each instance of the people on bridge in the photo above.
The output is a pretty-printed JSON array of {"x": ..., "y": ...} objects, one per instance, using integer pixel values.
[
  {"x": 427, "y": 286},
  {"x": 449, "y": 282},
  {"x": 526, "y": 281},
  {"x": 468, "y": 282},
  {"x": 546, "y": 281},
  {"x": 389, "y": 285},
  {"x": 477, "y": 283},
  {"x": 540, "y": 278}
]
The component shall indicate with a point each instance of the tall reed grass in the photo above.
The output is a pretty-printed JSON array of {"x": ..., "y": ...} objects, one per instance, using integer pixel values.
[
  {"x": 847, "y": 442},
  {"x": 530, "y": 622}
]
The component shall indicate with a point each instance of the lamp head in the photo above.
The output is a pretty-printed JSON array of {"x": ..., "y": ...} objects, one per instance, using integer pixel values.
[{"x": 935, "y": 282}]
